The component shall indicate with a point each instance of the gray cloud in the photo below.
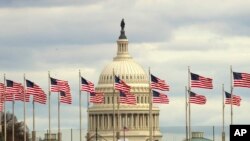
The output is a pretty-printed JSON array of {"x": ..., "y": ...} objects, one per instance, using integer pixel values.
[
  {"x": 43, "y": 3},
  {"x": 63, "y": 38}
]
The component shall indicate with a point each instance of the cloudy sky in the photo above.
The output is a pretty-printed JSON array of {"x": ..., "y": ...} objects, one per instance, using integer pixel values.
[{"x": 63, "y": 36}]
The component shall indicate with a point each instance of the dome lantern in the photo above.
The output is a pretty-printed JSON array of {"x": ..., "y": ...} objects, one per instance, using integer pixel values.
[{"x": 122, "y": 45}]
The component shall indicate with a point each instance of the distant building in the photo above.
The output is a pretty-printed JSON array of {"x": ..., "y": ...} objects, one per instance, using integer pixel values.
[
  {"x": 52, "y": 136},
  {"x": 133, "y": 117},
  {"x": 198, "y": 136}
]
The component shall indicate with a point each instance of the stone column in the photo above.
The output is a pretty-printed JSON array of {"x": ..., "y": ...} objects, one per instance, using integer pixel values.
[
  {"x": 132, "y": 125},
  {"x": 140, "y": 121},
  {"x": 90, "y": 121},
  {"x": 94, "y": 122},
  {"x": 126, "y": 120},
  {"x": 120, "y": 119},
  {"x": 98, "y": 122},
  {"x": 103, "y": 122},
  {"x": 107, "y": 121},
  {"x": 143, "y": 121},
  {"x": 157, "y": 121},
  {"x": 137, "y": 121}
]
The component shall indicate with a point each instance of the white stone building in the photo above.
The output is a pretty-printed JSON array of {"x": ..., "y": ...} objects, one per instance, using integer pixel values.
[{"x": 133, "y": 117}]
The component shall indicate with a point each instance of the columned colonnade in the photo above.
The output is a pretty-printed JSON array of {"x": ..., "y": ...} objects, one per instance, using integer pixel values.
[{"x": 133, "y": 121}]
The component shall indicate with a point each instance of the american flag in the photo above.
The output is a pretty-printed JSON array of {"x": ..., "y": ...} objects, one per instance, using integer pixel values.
[
  {"x": 87, "y": 85},
  {"x": 198, "y": 81},
  {"x": 40, "y": 99},
  {"x": 22, "y": 96},
  {"x": 59, "y": 85},
  {"x": 8, "y": 96},
  {"x": 235, "y": 100},
  {"x": 65, "y": 97},
  {"x": 131, "y": 99},
  {"x": 38, "y": 94},
  {"x": 15, "y": 91},
  {"x": 1, "y": 96},
  {"x": 197, "y": 99},
  {"x": 1, "y": 105},
  {"x": 127, "y": 98},
  {"x": 97, "y": 97},
  {"x": 241, "y": 79},
  {"x": 121, "y": 85},
  {"x": 1, "y": 88},
  {"x": 159, "y": 84},
  {"x": 63, "y": 88},
  {"x": 122, "y": 98},
  {"x": 160, "y": 98},
  {"x": 1, "y": 91}
]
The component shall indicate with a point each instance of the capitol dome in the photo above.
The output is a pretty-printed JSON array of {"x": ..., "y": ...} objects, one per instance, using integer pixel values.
[
  {"x": 110, "y": 117},
  {"x": 125, "y": 67},
  {"x": 127, "y": 70}
]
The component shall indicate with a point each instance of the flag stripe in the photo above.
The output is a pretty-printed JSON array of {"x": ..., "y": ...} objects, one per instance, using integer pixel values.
[
  {"x": 235, "y": 100},
  {"x": 87, "y": 85},
  {"x": 39, "y": 95},
  {"x": 127, "y": 98},
  {"x": 160, "y": 98},
  {"x": 197, "y": 99},
  {"x": 121, "y": 85},
  {"x": 96, "y": 97},
  {"x": 15, "y": 91},
  {"x": 198, "y": 81},
  {"x": 1, "y": 96},
  {"x": 159, "y": 84},
  {"x": 61, "y": 86},
  {"x": 241, "y": 79}
]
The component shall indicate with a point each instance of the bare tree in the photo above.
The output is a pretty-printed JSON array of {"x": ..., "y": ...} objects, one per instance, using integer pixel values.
[{"x": 18, "y": 126}]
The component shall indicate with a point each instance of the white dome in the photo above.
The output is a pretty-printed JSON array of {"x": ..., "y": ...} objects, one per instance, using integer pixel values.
[
  {"x": 123, "y": 66},
  {"x": 127, "y": 70}
]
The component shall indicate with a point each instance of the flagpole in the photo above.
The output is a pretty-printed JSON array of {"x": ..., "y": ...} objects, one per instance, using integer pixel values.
[
  {"x": 5, "y": 134},
  {"x": 113, "y": 105},
  {"x": 223, "y": 114},
  {"x": 150, "y": 107},
  {"x": 80, "y": 109},
  {"x": 118, "y": 116},
  {"x": 59, "y": 128},
  {"x": 34, "y": 130},
  {"x": 1, "y": 113},
  {"x": 231, "y": 100},
  {"x": 186, "y": 107},
  {"x": 189, "y": 104},
  {"x": 24, "y": 105},
  {"x": 88, "y": 115},
  {"x": 49, "y": 104},
  {"x": 13, "y": 122}
]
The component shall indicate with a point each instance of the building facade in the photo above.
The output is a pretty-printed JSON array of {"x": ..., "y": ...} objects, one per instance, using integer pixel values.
[{"x": 134, "y": 117}]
